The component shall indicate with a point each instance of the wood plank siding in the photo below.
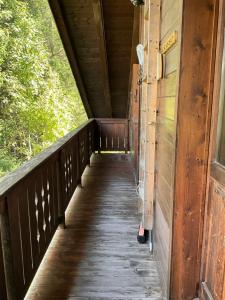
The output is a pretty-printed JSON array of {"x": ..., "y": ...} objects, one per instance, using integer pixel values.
[
  {"x": 97, "y": 256},
  {"x": 99, "y": 36},
  {"x": 171, "y": 18}
]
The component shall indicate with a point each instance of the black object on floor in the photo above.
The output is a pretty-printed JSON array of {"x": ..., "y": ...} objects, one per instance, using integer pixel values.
[{"x": 142, "y": 239}]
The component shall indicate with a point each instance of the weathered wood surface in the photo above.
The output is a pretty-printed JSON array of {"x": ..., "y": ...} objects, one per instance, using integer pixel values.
[
  {"x": 113, "y": 134},
  {"x": 134, "y": 119},
  {"x": 192, "y": 146},
  {"x": 99, "y": 22},
  {"x": 36, "y": 196},
  {"x": 214, "y": 258},
  {"x": 7, "y": 182},
  {"x": 167, "y": 95},
  {"x": 151, "y": 109},
  {"x": 2, "y": 275},
  {"x": 34, "y": 199},
  {"x": 97, "y": 36},
  {"x": 67, "y": 42},
  {"x": 118, "y": 20},
  {"x": 97, "y": 256},
  {"x": 213, "y": 254}
]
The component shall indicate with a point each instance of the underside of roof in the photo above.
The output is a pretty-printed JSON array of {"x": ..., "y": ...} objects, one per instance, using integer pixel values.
[{"x": 97, "y": 36}]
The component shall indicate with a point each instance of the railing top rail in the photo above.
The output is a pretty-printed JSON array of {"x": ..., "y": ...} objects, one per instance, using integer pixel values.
[
  {"x": 13, "y": 178},
  {"x": 111, "y": 120}
]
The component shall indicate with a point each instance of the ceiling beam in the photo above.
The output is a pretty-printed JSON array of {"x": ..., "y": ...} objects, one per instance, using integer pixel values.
[
  {"x": 99, "y": 21},
  {"x": 65, "y": 37}
]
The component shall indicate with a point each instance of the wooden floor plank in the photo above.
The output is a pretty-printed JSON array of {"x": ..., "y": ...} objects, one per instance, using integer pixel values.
[{"x": 97, "y": 257}]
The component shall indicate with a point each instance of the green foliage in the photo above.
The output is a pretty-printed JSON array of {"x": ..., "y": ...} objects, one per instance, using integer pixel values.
[{"x": 39, "y": 101}]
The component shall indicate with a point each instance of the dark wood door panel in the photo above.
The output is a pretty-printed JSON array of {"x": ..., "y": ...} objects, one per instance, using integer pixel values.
[{"x": 214, "y": 258}]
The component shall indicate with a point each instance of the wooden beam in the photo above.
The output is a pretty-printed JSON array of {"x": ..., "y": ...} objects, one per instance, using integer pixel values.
[
  {"x": 134, "y": 58},
  {"x": 99, "y": 21},
  {"x": 151, "y": 107},
  {"x": 65, "y": 37},
  {"x": 192, "y": 145}
]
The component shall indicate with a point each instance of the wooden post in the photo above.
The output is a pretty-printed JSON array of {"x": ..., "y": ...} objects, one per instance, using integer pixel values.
[
  {"x": 192, "y": 145},
  {"x": 151, "y": 103},
  {"x": 12, "y": 293}
]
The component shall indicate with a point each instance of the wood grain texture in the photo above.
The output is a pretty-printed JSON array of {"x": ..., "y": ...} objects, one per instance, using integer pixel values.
[
  {"x": 151, "y": 110},
  {"x": 66, "y": 39},
  {"x": 97, "y": 37},
  {"x": 37, "y": 195},
  {"x": 3, "y": 295},
  {"x": 213, "y": 250},
  {"x": 194, "y": 116},
  {"x": 214, "y": 260},
  {"x": 167, "y": 99},
  {"x": 113, "y": 135},
  {"x": 118, "y": 20},
  {"x": 134, "y": 119},
  {"x": 99, "y": 21},
  {"x": 97, "y": 256}
]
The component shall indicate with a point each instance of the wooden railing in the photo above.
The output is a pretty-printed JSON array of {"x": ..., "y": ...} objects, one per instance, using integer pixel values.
[
  {"x": 113, "y": 134},
  {"x": 2, "y": 275},
  {"x": 33, "y": 199}
]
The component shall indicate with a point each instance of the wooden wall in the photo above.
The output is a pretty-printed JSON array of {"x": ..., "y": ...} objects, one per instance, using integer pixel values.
[{"x": 171, "y": 19}]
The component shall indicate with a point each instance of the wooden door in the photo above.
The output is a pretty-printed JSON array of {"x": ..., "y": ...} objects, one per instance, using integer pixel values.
[
  {"x": 213, "y": 256},
  {"x": 135, "y": 117}
]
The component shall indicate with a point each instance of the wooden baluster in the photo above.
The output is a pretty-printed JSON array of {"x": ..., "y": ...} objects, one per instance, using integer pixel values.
[
  {"x": 23, "y": 211},
  {"x": 45, "y": 204},
  {"x": 50, "y": 199},
  {"x": 75, "y": 165},
  {"x": 60, "y": 193},
  {"x": 79, "y": 181},
  {"x": 96, "y": 135},
  {"x": 53, "y": 189},
  {"x": 33, "y": 223},
  {"x": 87, "y": 147},
  {"x": 10, "y": 281},
  {"x": 3, "y": 294}
]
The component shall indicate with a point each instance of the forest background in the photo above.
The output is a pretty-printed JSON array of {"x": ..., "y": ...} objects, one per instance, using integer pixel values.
[{"x": 39, "y": 101}]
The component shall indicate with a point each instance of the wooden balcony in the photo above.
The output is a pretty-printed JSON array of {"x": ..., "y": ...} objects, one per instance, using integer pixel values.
[{"x": 96, "y": 256}]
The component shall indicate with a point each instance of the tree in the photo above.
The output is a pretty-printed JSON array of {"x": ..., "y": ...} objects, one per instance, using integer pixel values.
[{"x": 39, "y": 101}]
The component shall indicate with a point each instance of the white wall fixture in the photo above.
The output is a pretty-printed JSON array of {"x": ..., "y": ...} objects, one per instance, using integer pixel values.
[
  {"x": 141, "y": 57},
  {"x": 137, "y": 2}
]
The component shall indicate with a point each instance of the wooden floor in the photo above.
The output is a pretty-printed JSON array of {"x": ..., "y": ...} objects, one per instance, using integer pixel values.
[{"x": 97, "y": 257}]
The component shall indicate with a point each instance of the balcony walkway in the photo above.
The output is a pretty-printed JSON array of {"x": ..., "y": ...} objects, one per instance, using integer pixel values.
[{"x": 97, "y": 257}]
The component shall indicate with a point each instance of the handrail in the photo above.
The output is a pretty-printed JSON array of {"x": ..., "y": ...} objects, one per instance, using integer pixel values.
[
  {"x": 33, "y": 199},
  {"x": 33, "y": 203},
  {"x": 8, "y": 181}
]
